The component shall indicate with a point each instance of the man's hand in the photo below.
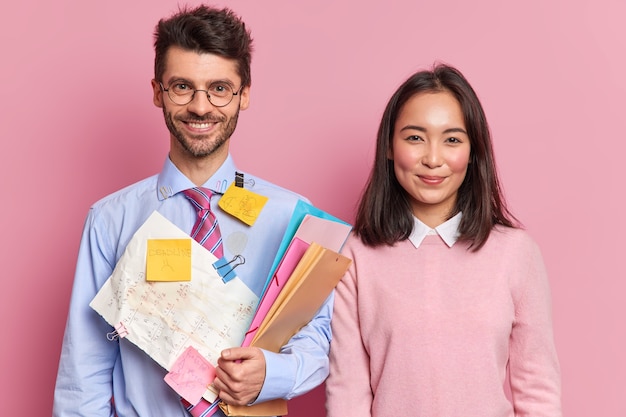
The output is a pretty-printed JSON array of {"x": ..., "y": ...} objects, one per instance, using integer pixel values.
[{"x": 240, "y": 374}]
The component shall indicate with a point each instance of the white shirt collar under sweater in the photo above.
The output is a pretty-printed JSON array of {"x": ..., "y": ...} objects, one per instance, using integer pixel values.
[{"x": 448, "y": 231}]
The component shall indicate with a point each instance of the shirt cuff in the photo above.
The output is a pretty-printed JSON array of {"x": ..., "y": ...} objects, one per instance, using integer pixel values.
[{"x": 279, "y": 372}]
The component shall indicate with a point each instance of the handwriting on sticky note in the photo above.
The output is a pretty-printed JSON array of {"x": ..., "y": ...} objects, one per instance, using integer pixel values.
[
  {"x": 190, "y": 375},
  {"x": 243, "y": 204},
  {"x": 168, "y": 260}
]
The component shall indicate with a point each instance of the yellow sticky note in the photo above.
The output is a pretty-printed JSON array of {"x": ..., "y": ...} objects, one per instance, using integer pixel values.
[
  {"x": 168, "y": 260},
  {"x": 243, "y": 204}
]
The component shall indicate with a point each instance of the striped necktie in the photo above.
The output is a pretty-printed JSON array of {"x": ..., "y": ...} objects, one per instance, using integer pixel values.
[{"x": 206, "y": 231}]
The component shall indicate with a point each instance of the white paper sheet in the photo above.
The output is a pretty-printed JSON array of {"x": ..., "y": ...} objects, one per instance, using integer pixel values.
[{"x": 164, "y": 318}]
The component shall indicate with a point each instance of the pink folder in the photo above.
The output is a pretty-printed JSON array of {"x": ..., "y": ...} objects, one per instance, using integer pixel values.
[{"x": 292, "y": 256}]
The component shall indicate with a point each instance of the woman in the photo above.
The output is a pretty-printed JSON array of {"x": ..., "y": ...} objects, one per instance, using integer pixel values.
[{"x": 445, "y": 311}]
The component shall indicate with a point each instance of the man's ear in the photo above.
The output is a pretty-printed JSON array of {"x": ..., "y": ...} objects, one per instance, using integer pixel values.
[
  {"x": 157, "y": 97},
  {"x": 244, "y": 101}
]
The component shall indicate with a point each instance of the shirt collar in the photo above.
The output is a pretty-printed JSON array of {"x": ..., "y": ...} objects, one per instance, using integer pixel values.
[
  {"x": 171, "y": 181},
  {"x": 448, "y": 231}
]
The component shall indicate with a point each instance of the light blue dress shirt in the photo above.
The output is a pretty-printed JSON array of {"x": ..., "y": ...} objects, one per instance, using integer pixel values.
[{"x": 93, "y": 369}]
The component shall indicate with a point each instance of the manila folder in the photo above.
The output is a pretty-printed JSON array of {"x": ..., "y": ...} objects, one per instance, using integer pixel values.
[{"x": 307, "y": 289}]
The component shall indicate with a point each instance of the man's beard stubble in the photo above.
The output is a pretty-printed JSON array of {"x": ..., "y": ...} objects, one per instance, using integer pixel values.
[{"x": 201, "y": 147}]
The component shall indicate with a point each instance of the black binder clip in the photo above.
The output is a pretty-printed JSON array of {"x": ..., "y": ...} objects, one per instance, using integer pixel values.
[
  {"x": 239, "y": 179},
  {"x": 225, "y": 269}
]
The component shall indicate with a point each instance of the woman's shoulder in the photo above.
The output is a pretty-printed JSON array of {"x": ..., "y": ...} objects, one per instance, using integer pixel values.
[
  {"x": 355, "y": 247},
  {"x": 354, "y": 244},
  {"x": 511, "y": 238}
]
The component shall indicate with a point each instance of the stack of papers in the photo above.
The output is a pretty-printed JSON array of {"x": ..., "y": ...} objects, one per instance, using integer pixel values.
[{"x": 164, "y": 319}]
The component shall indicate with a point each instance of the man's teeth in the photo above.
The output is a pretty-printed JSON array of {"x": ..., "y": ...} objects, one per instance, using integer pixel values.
[{"x": 199, "y": 125}]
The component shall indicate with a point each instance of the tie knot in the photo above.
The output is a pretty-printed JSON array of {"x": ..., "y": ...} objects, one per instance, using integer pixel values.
[
  {"x": 205, "y": 231},
  {"x": 199, "y": 197}
]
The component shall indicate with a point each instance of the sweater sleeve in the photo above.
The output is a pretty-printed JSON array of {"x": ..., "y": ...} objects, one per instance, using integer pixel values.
[
  {"x": 533, "y": 364},
  {"x": 348, "y": 391}
]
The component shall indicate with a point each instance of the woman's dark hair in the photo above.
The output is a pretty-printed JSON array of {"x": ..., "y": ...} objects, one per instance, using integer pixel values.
[
  {"x": 204, "y": 30},
  {"x": 384, "y": 214}
]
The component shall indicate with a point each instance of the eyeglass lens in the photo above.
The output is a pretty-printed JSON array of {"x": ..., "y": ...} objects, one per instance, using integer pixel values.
[{"x": 219, "y": 94}]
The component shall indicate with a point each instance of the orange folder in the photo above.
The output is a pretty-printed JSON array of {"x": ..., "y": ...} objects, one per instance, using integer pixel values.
[
  {"x": 267, "y": 409},
  {"x": 310, "y": 284},
  {"x": 287, "y": 265}
]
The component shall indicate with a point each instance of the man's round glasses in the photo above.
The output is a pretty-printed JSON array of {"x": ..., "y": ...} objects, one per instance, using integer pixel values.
[{"x": 219, "y": 94}]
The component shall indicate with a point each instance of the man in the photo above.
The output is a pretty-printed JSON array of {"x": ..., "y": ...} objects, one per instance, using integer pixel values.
[{"x": 202, "y": 81}]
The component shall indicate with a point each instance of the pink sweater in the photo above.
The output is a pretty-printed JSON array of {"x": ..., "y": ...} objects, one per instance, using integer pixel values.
[{"x": 430, "y": 332}]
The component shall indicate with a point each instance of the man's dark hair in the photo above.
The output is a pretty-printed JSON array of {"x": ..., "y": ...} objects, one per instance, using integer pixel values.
[{"x": 204, "y": 29}]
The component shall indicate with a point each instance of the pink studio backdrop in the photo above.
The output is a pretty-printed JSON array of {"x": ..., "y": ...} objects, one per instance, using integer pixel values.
[{"x": 78, "y": 123}]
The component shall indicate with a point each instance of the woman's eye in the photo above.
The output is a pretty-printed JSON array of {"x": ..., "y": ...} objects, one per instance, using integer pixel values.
[{"x": 414, "y": 138}]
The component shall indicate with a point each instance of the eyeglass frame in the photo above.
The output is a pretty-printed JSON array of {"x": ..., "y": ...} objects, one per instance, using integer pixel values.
[{"x": 195, "y": 90}]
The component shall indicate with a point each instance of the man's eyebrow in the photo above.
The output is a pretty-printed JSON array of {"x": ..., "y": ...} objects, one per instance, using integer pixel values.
[
  {"x": 179, "y": 79},
  {"x": 224, "y": 81},
  {"x": 175, "y": 78}
]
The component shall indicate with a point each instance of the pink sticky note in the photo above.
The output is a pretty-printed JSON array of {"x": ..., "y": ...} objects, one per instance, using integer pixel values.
[{"x": 190, "y": 375}]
